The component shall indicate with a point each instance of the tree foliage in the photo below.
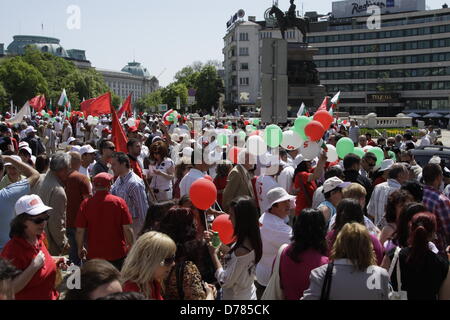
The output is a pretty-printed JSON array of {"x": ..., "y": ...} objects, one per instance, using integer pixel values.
[
  {"x": 170, "y": 93},
  {"x": 150, "y": 100}
]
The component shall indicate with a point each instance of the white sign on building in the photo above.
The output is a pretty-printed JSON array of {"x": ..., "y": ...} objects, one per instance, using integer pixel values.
[{"x": 355, "y": 8}]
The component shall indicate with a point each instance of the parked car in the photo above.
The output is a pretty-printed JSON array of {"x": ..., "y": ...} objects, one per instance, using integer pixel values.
[{"x": 424, "y": 154}]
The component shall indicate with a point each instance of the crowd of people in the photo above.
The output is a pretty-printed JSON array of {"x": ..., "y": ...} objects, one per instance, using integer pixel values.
[{"x": 303, "y": 228}]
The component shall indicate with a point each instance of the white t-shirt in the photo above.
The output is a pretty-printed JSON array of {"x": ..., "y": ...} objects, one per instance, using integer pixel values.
[
  {"x": 185, "y": 183},
  {"x": 159, "y": 182},
  {"x": 79, "y": 127},
  {"x": 286, "y": 179},
  {"x": 263, "y": 185}
]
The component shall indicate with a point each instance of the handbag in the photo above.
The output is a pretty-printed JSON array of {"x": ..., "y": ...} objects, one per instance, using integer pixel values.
[
  {"x": 396, "y": 295},
  {"x": 273, "y": 290},
  {"x": 326, "y": 287}
]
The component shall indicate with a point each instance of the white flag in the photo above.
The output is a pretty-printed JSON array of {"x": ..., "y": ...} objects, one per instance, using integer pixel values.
[
  {"x": 12, "y": 108},
  {"x": 18, "y": 118},
  {"x": 63, "y": 100},
  {"x": 301, "y": 110},
  {"x": 335, "y": 99}
]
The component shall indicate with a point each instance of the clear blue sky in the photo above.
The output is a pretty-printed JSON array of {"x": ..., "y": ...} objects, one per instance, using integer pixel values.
[{"x": 160, "y": 34}]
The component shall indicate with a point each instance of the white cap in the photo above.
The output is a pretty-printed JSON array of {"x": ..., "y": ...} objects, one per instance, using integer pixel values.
[
  {"x": 71, "y": 139},
  {"x": 27, "y": 149},
  {"x": 298, "y": 159},
  {"x": 87, "y": 149},
  {"x": 386, "y": 165},
  {"x": 33, "y": 159},
  {"x": 75, "y": 149},
  {"x": 277, "y": 195},
  {"x": 17, "y": 158},
  {"x": 435, "y": 160},
  {"x": 30, "y": 129},
  {"x": 32, "y": 205},
  {"x": 333, "y": 183},
  {"x": 23, "y": 144}
]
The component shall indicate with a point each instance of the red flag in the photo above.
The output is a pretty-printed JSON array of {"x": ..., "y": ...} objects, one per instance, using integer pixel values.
[
  {"x": 118, "y": 135},
  {"x": 97, "y": 106},
  {"x": 126, "y": 106},
  {"x": 324, "y": 105},
  {"x": 38, "y": 103}
]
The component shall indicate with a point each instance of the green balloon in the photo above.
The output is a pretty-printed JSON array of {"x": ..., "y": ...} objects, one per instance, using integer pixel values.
[
  {"x": 242, "y": 135},
  {"x": 359, "y": 152},
  {"x": 392, "y": 155},
  {"x": 344, "y": 147},
  {"x": 379, "y": 153},
  {"x": 299, "y": 127},
  {"x": 273, "y": 136},
  {"x": 256, "y": 122},
  {"x": 222, "y": 140}
]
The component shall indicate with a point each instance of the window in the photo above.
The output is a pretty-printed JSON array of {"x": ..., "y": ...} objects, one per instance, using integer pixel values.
[
  {"x": 244, "y": 66},
  {"x": 243, "y": 51},
  {"x": 243, "y": 36},
  {"x": 244, "y": 81}
]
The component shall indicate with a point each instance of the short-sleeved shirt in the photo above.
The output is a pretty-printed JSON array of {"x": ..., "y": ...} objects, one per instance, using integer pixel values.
[
  {"x": 77, "y": 189},
  {"x": 301, "y": 202},
  {"x": 21, "y": 253},
  {"x": 8, "y": 199},
  {"x": 99, "y": 167},
  {"x": 421, "y": 280},
  {"x": 159, "y": 182},
  {"x": 155, "y": 287},
  {"x": 103, "y": 216}
]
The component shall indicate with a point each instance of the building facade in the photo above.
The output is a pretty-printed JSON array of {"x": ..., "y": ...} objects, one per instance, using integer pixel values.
[{"x": 402, "y": 66}]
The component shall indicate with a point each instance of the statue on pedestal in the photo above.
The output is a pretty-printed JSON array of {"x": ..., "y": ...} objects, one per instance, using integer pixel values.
[{"x": 290, "y": 20}]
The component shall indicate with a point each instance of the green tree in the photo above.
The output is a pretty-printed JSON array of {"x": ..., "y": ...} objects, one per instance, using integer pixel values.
[
  {"x": 170, "y": 93},
  {"x": 150, "y": 100},
  {"x": 209, "y": 86},
  {"x": 187, "y": 76},
  {"x": 3, "y": 98},
  {"x": 21, "y": 80}
]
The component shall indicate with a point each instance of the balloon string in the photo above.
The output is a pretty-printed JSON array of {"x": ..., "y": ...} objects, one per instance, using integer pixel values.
[
  {"x": 206, "y": 221},
  {"x": 220, "y": 208}
]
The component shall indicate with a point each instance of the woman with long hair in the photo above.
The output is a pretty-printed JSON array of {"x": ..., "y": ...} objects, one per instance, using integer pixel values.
[
  {"x": 185, "y": 280},
  {"x": 424, "y": 274},
  {"x": 164, "y": 172},
  {"x": 155, "y": 213},
  {"x": 349, "y": 211},
  {"x": 352, "y": 268},
  {"x": 238, "y": 273},
  {"x": 307, "y": 251},
  {"x": 148, "y": 264}
]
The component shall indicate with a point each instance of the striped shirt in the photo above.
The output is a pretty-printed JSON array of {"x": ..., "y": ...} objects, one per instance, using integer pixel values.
[
  {"x": 378, "y": 201},
  {"x": 437, "y": 203},
  {"x": 131, "y": 188}
]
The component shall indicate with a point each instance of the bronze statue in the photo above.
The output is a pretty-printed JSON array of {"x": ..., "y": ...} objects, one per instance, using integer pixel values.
[{"x": 290, "y": 20}]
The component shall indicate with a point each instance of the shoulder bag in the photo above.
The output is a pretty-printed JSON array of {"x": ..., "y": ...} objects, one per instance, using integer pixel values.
[
  {"x": 399, "y": 294},
  {"x": 326, "y": 287},
  {"x": 273, "y": 290}
]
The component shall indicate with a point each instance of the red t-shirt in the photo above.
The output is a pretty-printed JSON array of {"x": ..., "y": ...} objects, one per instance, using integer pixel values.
[
  {"x": 77, "y": 189},
  {"x": 221, "y": 183},
  {"x": 378, "y": 181},
  {"x": 154, "y": 286},
  {"x": 301, "y": 201},
  {"x": 371, "y": 143},
  {"x": 104, "y": 216},
  {"x": 21, "y": 253}
]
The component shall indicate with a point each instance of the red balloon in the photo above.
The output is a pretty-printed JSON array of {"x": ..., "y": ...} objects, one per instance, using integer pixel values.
[
  {"x": 246, "y": 122},
  {"x": 208, "y": 178},
  {"x": 222, "y": 224},
  {"x": 226, "y": 127},
  {"x": 314, "y": 130},
  {"x": 324, "y": 117},
  {"x": 255, "y": 133},
  {"x": 203, "y": 194},
  {"x": 233, "y": 154}
]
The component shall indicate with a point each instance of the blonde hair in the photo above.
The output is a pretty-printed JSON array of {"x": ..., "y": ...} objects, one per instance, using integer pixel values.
[
  {"x": 354, "y": 243},
  {"x": 145, "y": 258},
  {"x": 354, "y": 191}
]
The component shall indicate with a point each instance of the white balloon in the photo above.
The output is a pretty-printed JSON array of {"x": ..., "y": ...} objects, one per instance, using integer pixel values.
[
  {"x": 310, "y": 149},
  {"x": 94, "y": 122},
  {"x": 131, "y": 122},
  {"x": 291, "y": 140},
  {"x": 332, "y": 153},
  {"x": 256, "y": 145}
]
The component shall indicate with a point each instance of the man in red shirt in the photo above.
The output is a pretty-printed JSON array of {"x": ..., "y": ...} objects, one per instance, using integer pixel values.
[
  {"x": 107, "y": 221},
  {"x": 134, "y": 147},
  {"x": 370, "y": 142},
  {"x": 78, "y": 188}
]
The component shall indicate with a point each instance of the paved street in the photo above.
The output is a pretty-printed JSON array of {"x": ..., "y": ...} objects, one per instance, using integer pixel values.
[{"x": 446, "y": 138}]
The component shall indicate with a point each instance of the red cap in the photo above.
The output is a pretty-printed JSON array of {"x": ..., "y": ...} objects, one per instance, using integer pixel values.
[
  {"x": 103, "y": 180},
  {"x": 107, "y": 131},
  {"x": 133, "y": 129}
]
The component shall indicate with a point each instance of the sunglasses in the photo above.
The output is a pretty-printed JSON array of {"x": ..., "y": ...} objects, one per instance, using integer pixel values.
[
  {"x": 168, "y": 261},
  {"x": 39, "y": 220},
  {"x": 111, "y": 148}
]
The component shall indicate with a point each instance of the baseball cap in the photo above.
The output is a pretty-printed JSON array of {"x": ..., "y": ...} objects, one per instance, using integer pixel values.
[
  {"x": 70, "y": 140},
  {"x": 298, "y": 159},
  {"x": 23, "y": 144},
  {"x": 87, "y": 149},
  {"x": 17, "y": 158},
  {"x": 333, "y": 183},
  {"x": 32, "y": 205},
  {"x": 102, "y": 180},
  {"x": 30, "y": 129},
  {"x": 133, "y": 129},
  {"x": 75, "y": 149},
  {"x": 277, "y": 195},
  {"x": 386, "y": 165},
  {"x": 27, "y": 149},
  {"x": 106, "y": 130}
]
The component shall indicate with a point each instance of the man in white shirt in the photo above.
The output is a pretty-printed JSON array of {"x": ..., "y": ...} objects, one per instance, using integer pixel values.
[
  {"x": 286, "y": 177},
  {"x": 398, "y": 175},
  {"x": 424, "y": 138},
  {"x": 354, "y": 132},
  {"x": 197, "y": 172},
  {"x": 274, "y": 233},
  {"x": 432, "y": 134},
  {"x": 80, "y": 130},
  {"x": 267, "y": 181},
  {"x": 87, "y": 159},
  {"x": 67, "y": 131}
]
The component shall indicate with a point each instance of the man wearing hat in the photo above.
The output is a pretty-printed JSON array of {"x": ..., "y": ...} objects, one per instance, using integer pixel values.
[
  {"x": 12, "y": 174},
  {"x": 332, "y": 190},
  {"x": 87, "y": 158},
  {"x": 34, "y": 142},
  {"x": 67, "y": 131},
  {"x": 108, "y": 224},
  {"x": 267, "y": 181},
  {"x": 274, "y": 232}
]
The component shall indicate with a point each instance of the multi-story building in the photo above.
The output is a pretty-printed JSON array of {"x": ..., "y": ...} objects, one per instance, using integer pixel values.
[
  {"x": 402, "y": 66},
  {"x": 133, "y": 78}
]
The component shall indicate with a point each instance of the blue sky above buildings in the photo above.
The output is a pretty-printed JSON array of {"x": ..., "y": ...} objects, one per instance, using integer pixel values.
[{"x": 159, "y": 34}]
